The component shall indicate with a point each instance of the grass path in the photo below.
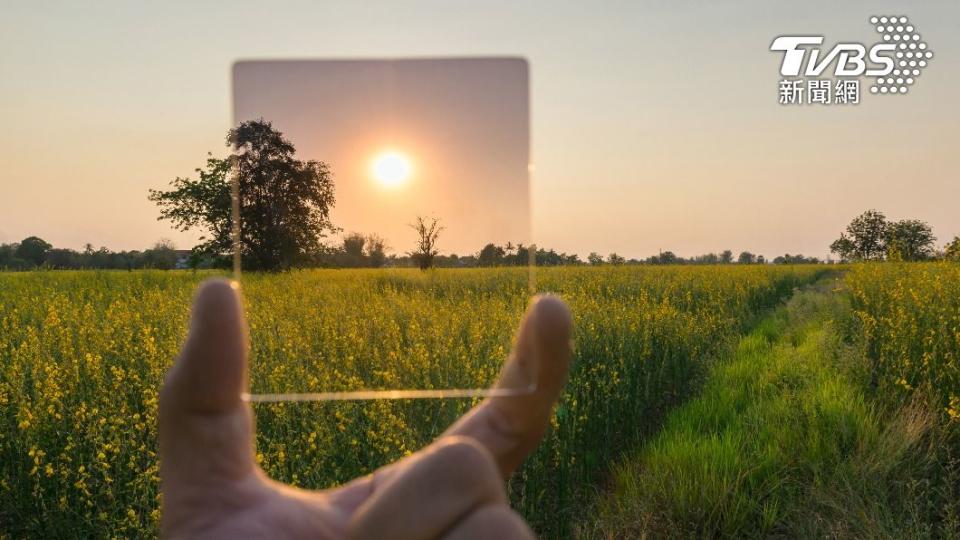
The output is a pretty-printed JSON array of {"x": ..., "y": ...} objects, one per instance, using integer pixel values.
[{"x": 781, "y": 442}]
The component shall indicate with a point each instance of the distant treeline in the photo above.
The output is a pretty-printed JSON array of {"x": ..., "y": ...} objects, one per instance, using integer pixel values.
[
  {"x": 355, "y": 251},
  {"x": 33, "y": 252}
]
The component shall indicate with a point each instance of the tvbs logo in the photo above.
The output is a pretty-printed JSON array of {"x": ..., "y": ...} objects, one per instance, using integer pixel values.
[{"x": 895, "y": 62}]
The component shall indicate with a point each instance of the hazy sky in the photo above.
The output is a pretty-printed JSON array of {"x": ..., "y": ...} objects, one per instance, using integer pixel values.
[{"x": 654, "y": 125}]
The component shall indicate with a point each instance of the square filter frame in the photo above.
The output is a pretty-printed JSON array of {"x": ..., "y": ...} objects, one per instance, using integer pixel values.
[{"x": 402, "y": 138}]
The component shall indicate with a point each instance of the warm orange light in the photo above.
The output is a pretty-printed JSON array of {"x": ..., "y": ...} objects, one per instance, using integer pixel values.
[{"x": 392, "y": 169}]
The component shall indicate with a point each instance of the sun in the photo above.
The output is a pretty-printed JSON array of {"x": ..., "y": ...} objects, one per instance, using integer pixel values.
[{"x": 392, "y": 168}]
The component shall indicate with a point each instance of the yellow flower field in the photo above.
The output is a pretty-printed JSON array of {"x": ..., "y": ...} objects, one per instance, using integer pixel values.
[
  {"x": 83, "y": 354},
  {"x": 909, "y": 316}
]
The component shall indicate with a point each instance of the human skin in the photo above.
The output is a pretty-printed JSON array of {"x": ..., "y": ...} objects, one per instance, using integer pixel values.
[{"x": 452, "y": 489}]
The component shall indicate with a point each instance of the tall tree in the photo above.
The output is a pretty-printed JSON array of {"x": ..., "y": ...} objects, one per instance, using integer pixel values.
[
  {"x": 492, "y": 255},
  {"x": 910, "y": 240},
  {"x": 427, "y": 242},
  {"x": 523, "y": 255},
  {"x": 33, "y": 250},
  {"x": 865, "y": 238},
  {"x": 667, "y": 257},
  {"x": 353, "y": 245},
  {"x": 726, "y": 257},
  {"x": 746, "y": 258},
  {"x": 284, "y": 202},
  {"x": 376, "y": 250}
]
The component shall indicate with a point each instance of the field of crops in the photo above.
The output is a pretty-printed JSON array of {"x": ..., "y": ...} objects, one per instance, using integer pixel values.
[
  {"x": 910, "y": 321},
  {"x": 82, "y": 356},
  {"x": 836, "y": 417}
]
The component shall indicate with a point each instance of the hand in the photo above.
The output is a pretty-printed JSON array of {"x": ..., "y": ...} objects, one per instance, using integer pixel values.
[{"x": 453, "y": 488}]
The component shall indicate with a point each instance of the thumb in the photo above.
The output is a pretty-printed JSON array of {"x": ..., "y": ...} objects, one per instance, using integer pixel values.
[
  {"x": 510, "y": 427},
  {"x": 210, "y": 374},
  {"x": 205, "y": 429},
  {"x": 540, "y": 359}
]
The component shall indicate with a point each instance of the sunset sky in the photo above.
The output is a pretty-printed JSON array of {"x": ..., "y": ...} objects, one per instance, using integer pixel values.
[
  {"x": 653, "y": 125},
  {"x": 457, "y": 132}
]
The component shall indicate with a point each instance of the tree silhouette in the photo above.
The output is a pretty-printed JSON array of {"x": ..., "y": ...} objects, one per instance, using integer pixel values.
[
  {"x": 865, "y": 238},
  {"x": 426, "y": 245},
  {"x": 493, "y": 255},
  {"x": 870, "y": 237},
  {"x": 909, "y": 240},
  {"x": 33, "y": 250},
  {"x": 746, "y": 258},
  {"x": 615, "y": 259},
  {"x": 376, "y": 250},
  {"x": 284, "y": 202},
  {"x": 351, "y": 251}
]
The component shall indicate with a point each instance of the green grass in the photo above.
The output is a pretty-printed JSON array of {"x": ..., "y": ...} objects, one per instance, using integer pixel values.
[{"x": 782, "y": 441}]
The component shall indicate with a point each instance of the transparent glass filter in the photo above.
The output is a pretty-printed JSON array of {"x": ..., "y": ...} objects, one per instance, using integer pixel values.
[{"x": 383, "y": 238}]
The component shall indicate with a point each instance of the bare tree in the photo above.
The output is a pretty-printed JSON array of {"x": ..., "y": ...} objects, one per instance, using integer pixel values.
[{"x": 426, "y": 248}]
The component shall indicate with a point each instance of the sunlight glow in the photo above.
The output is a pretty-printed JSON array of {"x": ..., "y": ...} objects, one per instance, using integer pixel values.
[{"x": 391, "y": 169}]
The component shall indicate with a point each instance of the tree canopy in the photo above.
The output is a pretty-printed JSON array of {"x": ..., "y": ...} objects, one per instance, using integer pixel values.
[
  {"x": 952, "y": 250},
  {"x": 870, "y": 237},
  {"x": 284, "y": 202},
  {"x": 909, "y": 240},
  {"x": 33, "y": 250}
]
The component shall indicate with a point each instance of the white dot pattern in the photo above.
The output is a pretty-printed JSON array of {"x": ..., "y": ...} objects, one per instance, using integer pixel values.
[{"x": 911, "y": 52}]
